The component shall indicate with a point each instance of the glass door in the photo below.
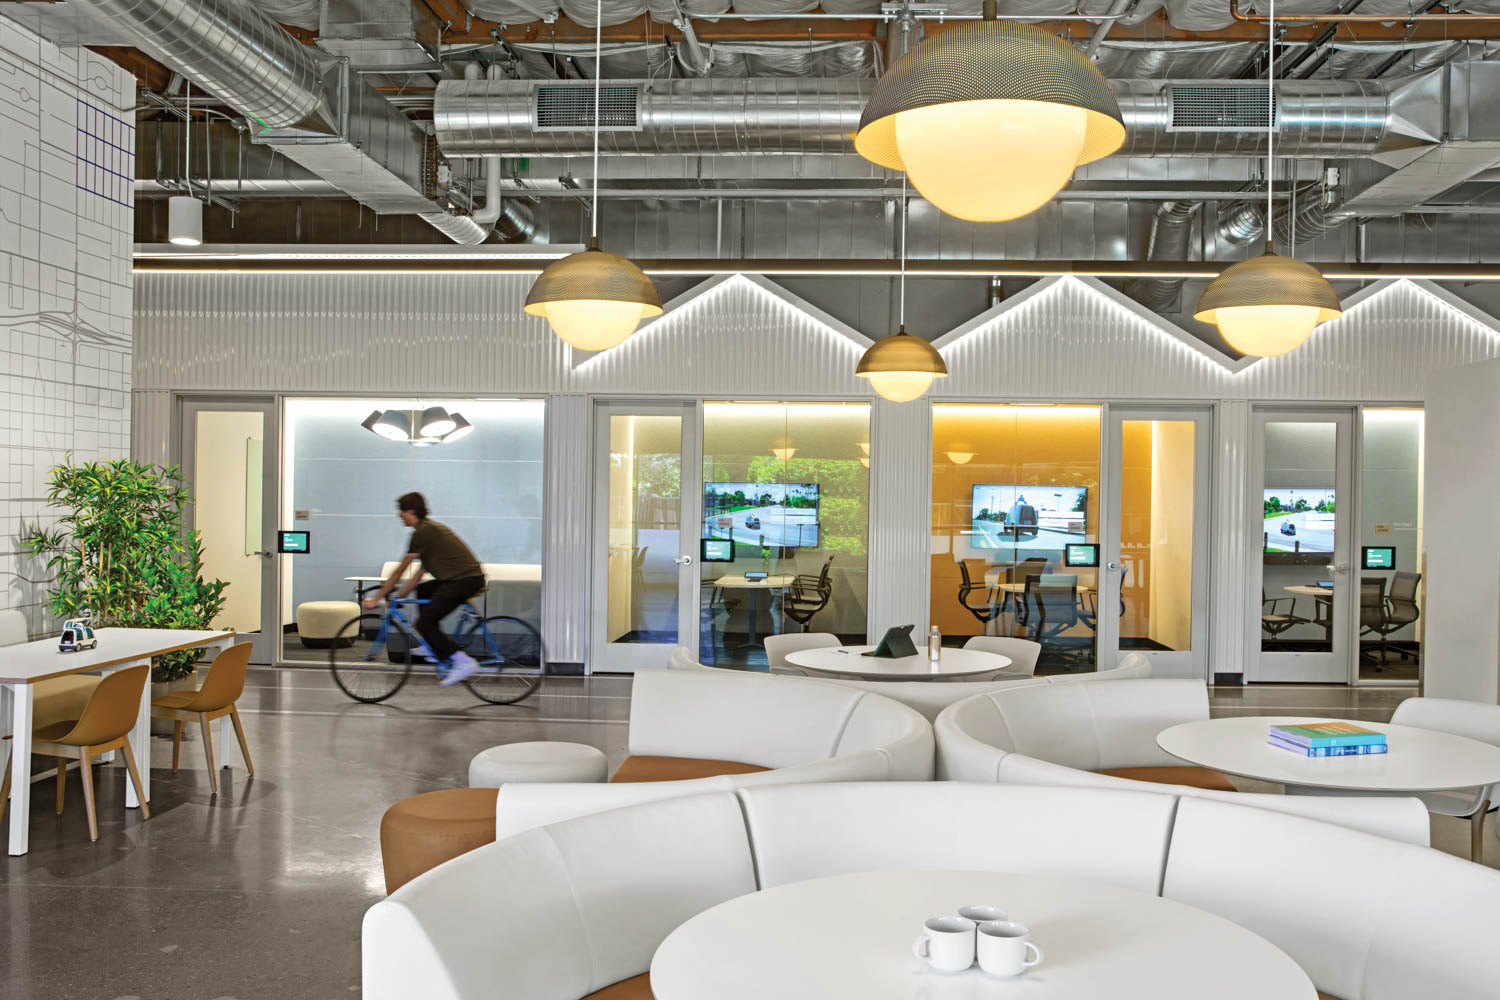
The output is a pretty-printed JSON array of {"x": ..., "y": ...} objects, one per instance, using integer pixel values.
[
  {"x": 1152, "y": 593},
  {"x": 647, "y": 476},
  {"x": 229, "y": 464},
  {"x": 1301, "y": 496}
]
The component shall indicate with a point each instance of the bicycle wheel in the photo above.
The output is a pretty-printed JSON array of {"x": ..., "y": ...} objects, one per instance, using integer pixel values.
[
  {"x": 517, "y": 647},
  {"x": 371, "y": 669}
]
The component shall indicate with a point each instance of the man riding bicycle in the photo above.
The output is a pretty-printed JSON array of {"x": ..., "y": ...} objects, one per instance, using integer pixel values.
[{"x": 456, "y": 577}]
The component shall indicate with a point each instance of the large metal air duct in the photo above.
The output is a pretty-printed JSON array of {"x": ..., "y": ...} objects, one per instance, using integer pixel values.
[
  {"x": 1171, "y": 237},
  {"x": 309, "y": 106},
  {"x": 1315, "y": 118}
]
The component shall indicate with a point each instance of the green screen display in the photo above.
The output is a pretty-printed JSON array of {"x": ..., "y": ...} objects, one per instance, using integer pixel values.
[
  {"x": 1379, "y": 557},
  {"x": 294, "y": 541}
]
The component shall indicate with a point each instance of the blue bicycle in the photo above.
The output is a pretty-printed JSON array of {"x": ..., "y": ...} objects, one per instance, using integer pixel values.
[{"x": 373, "y": 658}]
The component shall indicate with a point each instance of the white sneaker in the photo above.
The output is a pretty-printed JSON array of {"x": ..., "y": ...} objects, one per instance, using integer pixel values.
[{"x": 460, "y": 669}]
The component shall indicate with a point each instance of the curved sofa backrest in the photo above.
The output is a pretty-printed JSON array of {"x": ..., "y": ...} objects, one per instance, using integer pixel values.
[
  {"x": 1366, "y": 918},
  {"x": 559, "y": 912},
  {"x": 1132, "y": 666},
  {"x": 931, "y": 697},
  {"x": 764, "y": 720}
]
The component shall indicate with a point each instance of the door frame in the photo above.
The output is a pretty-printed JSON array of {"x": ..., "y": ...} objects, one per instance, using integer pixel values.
[
  {"x": 1340, "y": 662},
  {"x": 604, "y": 656},
  {"x": 1193, "y": 662},
  {"x": 265, "y": 644}
]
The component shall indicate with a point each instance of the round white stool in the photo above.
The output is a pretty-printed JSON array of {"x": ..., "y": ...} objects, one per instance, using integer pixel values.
[
  {"x": 321, "y": 624},
  {"x": 536, "y": 762}
]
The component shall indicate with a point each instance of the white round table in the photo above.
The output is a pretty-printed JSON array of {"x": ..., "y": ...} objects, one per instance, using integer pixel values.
[
  {"x": 1419, "y": 760},
  {"x": 846, "y": 661},
  {"x": 850, "y": 938}
]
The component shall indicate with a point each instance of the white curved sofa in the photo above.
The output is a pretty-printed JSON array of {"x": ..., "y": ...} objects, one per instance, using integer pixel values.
[
  {"x": 799, "y": 730},
  {"x": 1066, "y": 735},
  {"x": 563, "y": 911}
]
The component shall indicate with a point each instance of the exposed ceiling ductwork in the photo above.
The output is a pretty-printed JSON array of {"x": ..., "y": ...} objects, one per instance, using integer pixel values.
[
  {"x": 1315, "y": 118},
  {"x": 311, "y": 107}
]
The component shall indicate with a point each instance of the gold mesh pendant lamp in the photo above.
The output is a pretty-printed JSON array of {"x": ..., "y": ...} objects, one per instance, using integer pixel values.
[
  {"x": 901, "y": 367},
  {"x": 1268, "y": 305},
  {"x": 989, "y": 119},
  {"x": 594, "y": 299}
]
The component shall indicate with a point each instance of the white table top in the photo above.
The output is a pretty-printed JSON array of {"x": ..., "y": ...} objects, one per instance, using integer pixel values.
[
  {"x": 845, "y": 661},
  {"x": 30, "y": 662},
  {"x": 1308, "y": 589},
  {"x": 738, "y": 581},
  {"x": 1419, "y": 760},
  {"x": 850, "y": 938}
]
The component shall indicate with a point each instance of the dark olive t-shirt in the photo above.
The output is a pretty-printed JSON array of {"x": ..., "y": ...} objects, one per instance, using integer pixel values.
[{"x": 443, "y": 553}]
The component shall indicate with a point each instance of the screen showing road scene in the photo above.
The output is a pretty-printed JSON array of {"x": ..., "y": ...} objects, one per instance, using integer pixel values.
[
  {"x": 772, "y": 514},
  {"x": 1299, "y": 520},
  {"x": 1039, "y": 517}
]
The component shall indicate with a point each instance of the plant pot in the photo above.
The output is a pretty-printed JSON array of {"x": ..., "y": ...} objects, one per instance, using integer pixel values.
[{"x": 163, "y": 727}]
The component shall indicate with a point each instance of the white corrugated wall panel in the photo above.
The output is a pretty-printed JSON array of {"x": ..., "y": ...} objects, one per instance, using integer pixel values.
[
  {"x": 900, "y": 515},
  {"x": 565, "y": 546},
  {"x": 151, "y": 426},
  {"x": 1229, "y": 570}
]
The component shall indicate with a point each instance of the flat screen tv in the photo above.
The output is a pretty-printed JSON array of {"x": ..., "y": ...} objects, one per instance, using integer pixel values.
[
  {"x": 1005, "y": 515},
  {"x": 1299, "y": 520},
  {"x": 770, "y": 514}
]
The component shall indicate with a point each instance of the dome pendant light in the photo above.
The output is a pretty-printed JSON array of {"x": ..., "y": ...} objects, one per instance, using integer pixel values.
[
  {"x": 594, "y": 300},
  {"x": 989, "y": 119},
  {"x": 901, "y": 367},
  {"x": 1268, "y": 305}
]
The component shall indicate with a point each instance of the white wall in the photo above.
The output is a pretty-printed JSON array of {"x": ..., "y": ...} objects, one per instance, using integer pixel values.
[
  {"x": 67, "y": 144},
  {"x": 1462, "y": 637}
]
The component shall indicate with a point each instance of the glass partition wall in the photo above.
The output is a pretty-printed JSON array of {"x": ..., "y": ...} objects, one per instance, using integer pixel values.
[
  {"x": 342, "y": 482},
  {"x": 1390, "y": 545},
  {"x": 784, "y": 518},
  {"x": 1013, "y": 486}
]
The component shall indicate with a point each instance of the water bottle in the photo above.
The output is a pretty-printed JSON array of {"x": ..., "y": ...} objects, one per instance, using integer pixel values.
[{"x": 934, "y": 644}]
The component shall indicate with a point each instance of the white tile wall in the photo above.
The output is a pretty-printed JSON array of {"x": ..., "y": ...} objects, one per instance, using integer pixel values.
[{"x": 67, "y": 142}]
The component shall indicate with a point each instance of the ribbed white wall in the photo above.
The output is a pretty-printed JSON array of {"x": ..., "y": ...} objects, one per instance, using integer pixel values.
[
  {"x": 1229, "y": 574},
  {"x": 151, "y": 426},
  {"x": 565, "y": 547},
  {"x": 900, "y": 515}
]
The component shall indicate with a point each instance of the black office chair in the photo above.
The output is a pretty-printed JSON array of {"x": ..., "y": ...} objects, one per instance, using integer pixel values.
[
  {"x": 986, "y": 612},
  {"x": 1399, "y": 610},
  {"x": 1371, "y": 607},
  {"x": 1275, "y": 621},
  {"x": 1088, "y": 602},
  {"x": 1051, "y": 600},
  {"x": 1020, "y": 573},
  {"x": 808, "y": 595}
]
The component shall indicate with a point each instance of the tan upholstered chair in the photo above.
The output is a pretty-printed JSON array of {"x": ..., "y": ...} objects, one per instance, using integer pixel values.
[
  {"x": 216, "y": 698},
  {"x": 104, "y": 725}
]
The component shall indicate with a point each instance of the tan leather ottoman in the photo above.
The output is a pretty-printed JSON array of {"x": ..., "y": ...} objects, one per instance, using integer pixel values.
[{"x": 420, "y": 833}]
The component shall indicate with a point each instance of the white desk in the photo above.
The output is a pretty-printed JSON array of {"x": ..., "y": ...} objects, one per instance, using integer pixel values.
[
  {"x": 846, "y": 661},
  {"x": 851, "y": 937},
  {"x": 1419, "y": 760},
  {"x": 22, "y": 666},
  {"x": 736, "y": 581}
]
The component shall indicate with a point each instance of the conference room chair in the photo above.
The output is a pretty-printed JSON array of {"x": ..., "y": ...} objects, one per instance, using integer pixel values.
[
  {"x": 777, "y": 646},
  {"x": 1051, "y": 605},
  {"x": 1371, "y": 606},
  {"x": 105, "y": 725},
  {"x": 215, "y": 699},
  {"x": 986, "y": 611},
  {"x": 808, "y": 594},
  {"x": 1399, "y": 610},
  {"x": 1020, "y": 573},
  {"x": 1273, "y": 619},
  {"x": 1023, "y": 653},
  {"x": 1475, "y": 720}
]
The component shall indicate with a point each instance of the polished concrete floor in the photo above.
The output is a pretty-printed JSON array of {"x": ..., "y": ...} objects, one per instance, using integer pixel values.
[{"x": 258, "y": 893}]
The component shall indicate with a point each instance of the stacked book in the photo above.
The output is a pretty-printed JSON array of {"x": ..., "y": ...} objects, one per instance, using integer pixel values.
[{"x": 1327, "y": 739}]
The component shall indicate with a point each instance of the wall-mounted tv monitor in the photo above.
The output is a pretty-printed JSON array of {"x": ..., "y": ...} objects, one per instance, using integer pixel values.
[
  {"x": 770, "y": 514},
  {"x": 1007, "y": 515},
  {"x": 1299, "y": 520},
  {"x": 1378, "y": 557}
]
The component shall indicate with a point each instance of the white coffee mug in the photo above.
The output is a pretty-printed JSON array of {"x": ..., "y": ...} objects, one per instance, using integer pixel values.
[
  {"x": 981, "y": 913},
  {"x": 1002, "y": 947},
  {"x": 947, "y": 943}
]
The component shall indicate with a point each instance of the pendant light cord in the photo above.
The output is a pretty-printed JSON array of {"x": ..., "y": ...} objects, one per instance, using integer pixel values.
[
  {"x": 598, "y": 80},
  {"x": 903, "y": 253},
  {"x": 187, "y": 144},
  {"x": 1270, "y": 123}
]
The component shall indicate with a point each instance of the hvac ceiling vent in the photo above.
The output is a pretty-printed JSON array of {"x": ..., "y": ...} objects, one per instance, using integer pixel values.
[
  {"x": 1210, "y": 108},
  {"x": 570, "y": 108}
]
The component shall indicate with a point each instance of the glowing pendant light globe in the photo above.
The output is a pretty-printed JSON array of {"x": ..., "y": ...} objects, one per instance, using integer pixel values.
[
  {"x": 989, "y": 119},
  {"x": 1268, "y": 305},
  {"x": 901, "y": 367},
  {"x": 593, "y": 299}
]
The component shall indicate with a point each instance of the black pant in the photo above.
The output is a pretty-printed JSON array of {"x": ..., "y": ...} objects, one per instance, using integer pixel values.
[{"x": 442, "y": 597}]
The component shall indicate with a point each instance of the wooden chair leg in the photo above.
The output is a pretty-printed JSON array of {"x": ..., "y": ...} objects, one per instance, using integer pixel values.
[
  {"x": 135, "y": 779},
  {"x": 176, "y": 742},
  {"x": 86, "y": 770},
  {"x": 62, "y": 782},
  {"x": 239, "y": 731},
  {"x": 208, "y": 753}
]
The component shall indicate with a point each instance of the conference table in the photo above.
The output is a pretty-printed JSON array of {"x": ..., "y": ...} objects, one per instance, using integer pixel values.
[
  {"x": 22, "y": 666},
  {"x": 1320, "y": 595},
  {"x": 847, "y": 661},
  {"x": 852, "y": 935},
  {"x": 734, "y": 581}
]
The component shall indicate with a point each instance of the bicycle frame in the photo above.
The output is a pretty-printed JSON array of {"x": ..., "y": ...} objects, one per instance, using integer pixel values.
[{"x": 468, "y": 622}]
